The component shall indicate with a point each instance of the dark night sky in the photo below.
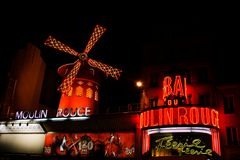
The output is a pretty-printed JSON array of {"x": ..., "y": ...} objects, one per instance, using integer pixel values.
[{"x": 183, "y": 30}]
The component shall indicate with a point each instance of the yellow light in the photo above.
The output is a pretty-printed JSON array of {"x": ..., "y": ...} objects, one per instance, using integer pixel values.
[{"x": 139, "y": 84}]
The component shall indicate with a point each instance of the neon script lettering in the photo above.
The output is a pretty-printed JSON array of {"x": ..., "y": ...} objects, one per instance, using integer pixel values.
[{"x": 193, "y": 148}]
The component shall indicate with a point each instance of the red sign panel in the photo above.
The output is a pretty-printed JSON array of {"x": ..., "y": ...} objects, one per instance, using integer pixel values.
[{"x": 119, "y": 145}]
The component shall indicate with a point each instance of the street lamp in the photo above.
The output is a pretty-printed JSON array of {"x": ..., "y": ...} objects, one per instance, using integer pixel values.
[{"x": 139, "y": 84}]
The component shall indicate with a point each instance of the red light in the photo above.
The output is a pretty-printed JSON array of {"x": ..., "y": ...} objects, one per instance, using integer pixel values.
[{"x": 179, "y": 116}]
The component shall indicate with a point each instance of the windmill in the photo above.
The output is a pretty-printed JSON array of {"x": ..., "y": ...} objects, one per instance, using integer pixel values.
[{"x": 82, "y": 59}]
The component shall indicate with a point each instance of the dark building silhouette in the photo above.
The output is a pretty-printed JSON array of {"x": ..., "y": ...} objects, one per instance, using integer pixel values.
[{"x": 25, "y": 80}]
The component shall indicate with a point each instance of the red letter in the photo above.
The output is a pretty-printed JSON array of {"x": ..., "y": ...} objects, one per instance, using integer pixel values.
[
  {"x": 178, "y": 86},
  {"x": 167, "y": 89},
  {"x": 169, "y": 102},
  {"x": 205, "y": 116},
  {"x": 152, "y": 124},
  {"x": 182, "y": 114},
  {"x": 185, "y": 87},
  {"x": 194, "y": 115},
  {"x": 146, "y": 119},
  {"x": 160, "y": 115},
  {"x": 168, "y": 115},
  {"x": 214, "y": 116}
]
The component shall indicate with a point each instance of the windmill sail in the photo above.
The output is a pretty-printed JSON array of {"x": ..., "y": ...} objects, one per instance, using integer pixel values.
[{"x": 68, "y": 80}]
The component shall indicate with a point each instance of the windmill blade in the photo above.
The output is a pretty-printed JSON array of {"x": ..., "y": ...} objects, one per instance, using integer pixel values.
[
  {"x": 54, "y": 43},
  {"x": 108, "y": 70},
  {"x": 68, "y": 81},
  {"x": 97, "y": 33}
]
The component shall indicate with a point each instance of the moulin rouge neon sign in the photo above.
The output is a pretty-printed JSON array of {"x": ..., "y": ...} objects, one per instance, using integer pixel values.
[
  {"x": 70, "y": 112},
  {"x": 31, "y": 115},
  {"x": 179, "y": 116},
  {"x": 175, "y": 92},
  {"x": 67, "y": 112}
]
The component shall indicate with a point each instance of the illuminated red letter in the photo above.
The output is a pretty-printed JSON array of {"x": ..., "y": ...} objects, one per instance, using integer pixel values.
[
  {"x": 214, "y": 117},
  {"x": 178, "y": 86},
  {"x": 182, "y": 114},
  {"x": 153, "y": 123},
  {"x": 205, "y": 116},
  {"x": 160, "y": 117},
  {"x": 194, "y": 115},
  {"x": 185, "y": 87},
  {"x": 146, "y": 119},
  {"x": 168, "y": 116},
  {"x": 169, "y": 102},
  {"x": 175, "y": 102},
  {"x": 167, "y": 89}
]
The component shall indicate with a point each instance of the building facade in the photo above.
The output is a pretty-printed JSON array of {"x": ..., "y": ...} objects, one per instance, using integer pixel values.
[
  {"x": 25, "y": 81},
  {"x": 184, "y": 114},
  {"x": 203, "y": 90}
]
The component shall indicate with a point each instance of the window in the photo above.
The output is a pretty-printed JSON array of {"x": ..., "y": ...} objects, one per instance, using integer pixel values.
[
  {"x": 96, "y": 96},
  {"x": 232, "y": 136},
  {"x": 189, "y": 77},
  {"x": 204, "y": 100},
  {"x": 228, "y": 104},
  {"x": 70, "y": 92},
  {"x": 154, "y": 80},
  {"x": 79, "y": 91},
  {"x": 89, "y": 93},
  {"x": 153, "y": 102},
  {"x": 202, "y": 75}
]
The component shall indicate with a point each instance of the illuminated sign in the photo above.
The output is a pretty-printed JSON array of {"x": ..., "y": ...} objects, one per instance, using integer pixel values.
[
  {"x": 31, "y": 115},
  {"x": 77, "y": 112},
  {"x": 117, "y": 144},
  {"x": 179, "y": 116},
  {"x": 193, "y": 147},
  {"x": 180, "y": 145},
  {"x": 174, "y": 91},
  {"x": 80, "y": 113}
]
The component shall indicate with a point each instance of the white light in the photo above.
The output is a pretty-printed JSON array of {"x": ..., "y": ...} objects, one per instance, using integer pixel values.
[
  {"x": 180, "y": 130},
  {"x": 66, "y": 118},
  {"x": 40, "y": 120},
  {"x": 23, "y": 128},
  {"x": 139, "y": 84},
  {"x": 58, "y": 119},
  {"x": 79, "y": 118}
]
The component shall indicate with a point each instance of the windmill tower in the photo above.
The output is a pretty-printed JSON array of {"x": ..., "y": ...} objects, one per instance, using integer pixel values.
[{"x": 80, "y": 87}]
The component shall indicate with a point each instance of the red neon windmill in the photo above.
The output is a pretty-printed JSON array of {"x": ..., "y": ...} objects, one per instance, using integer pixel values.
[{"x": 78, "y": 89}]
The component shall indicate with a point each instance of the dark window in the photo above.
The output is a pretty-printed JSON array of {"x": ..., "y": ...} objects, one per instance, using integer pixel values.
[
  {"x": 154, "y": 80},
  {"x": 153, "y": 102},
  {"x": 202, "y": 75},
  {"x": 232, "y": 136},
  {"x": 189, "y": 77},
  {"x": 228, "y": 104},
  {"x": 204, "y": 100}
]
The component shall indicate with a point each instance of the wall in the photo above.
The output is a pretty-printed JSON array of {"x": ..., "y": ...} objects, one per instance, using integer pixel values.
[{"x": 22, "y": 143}]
